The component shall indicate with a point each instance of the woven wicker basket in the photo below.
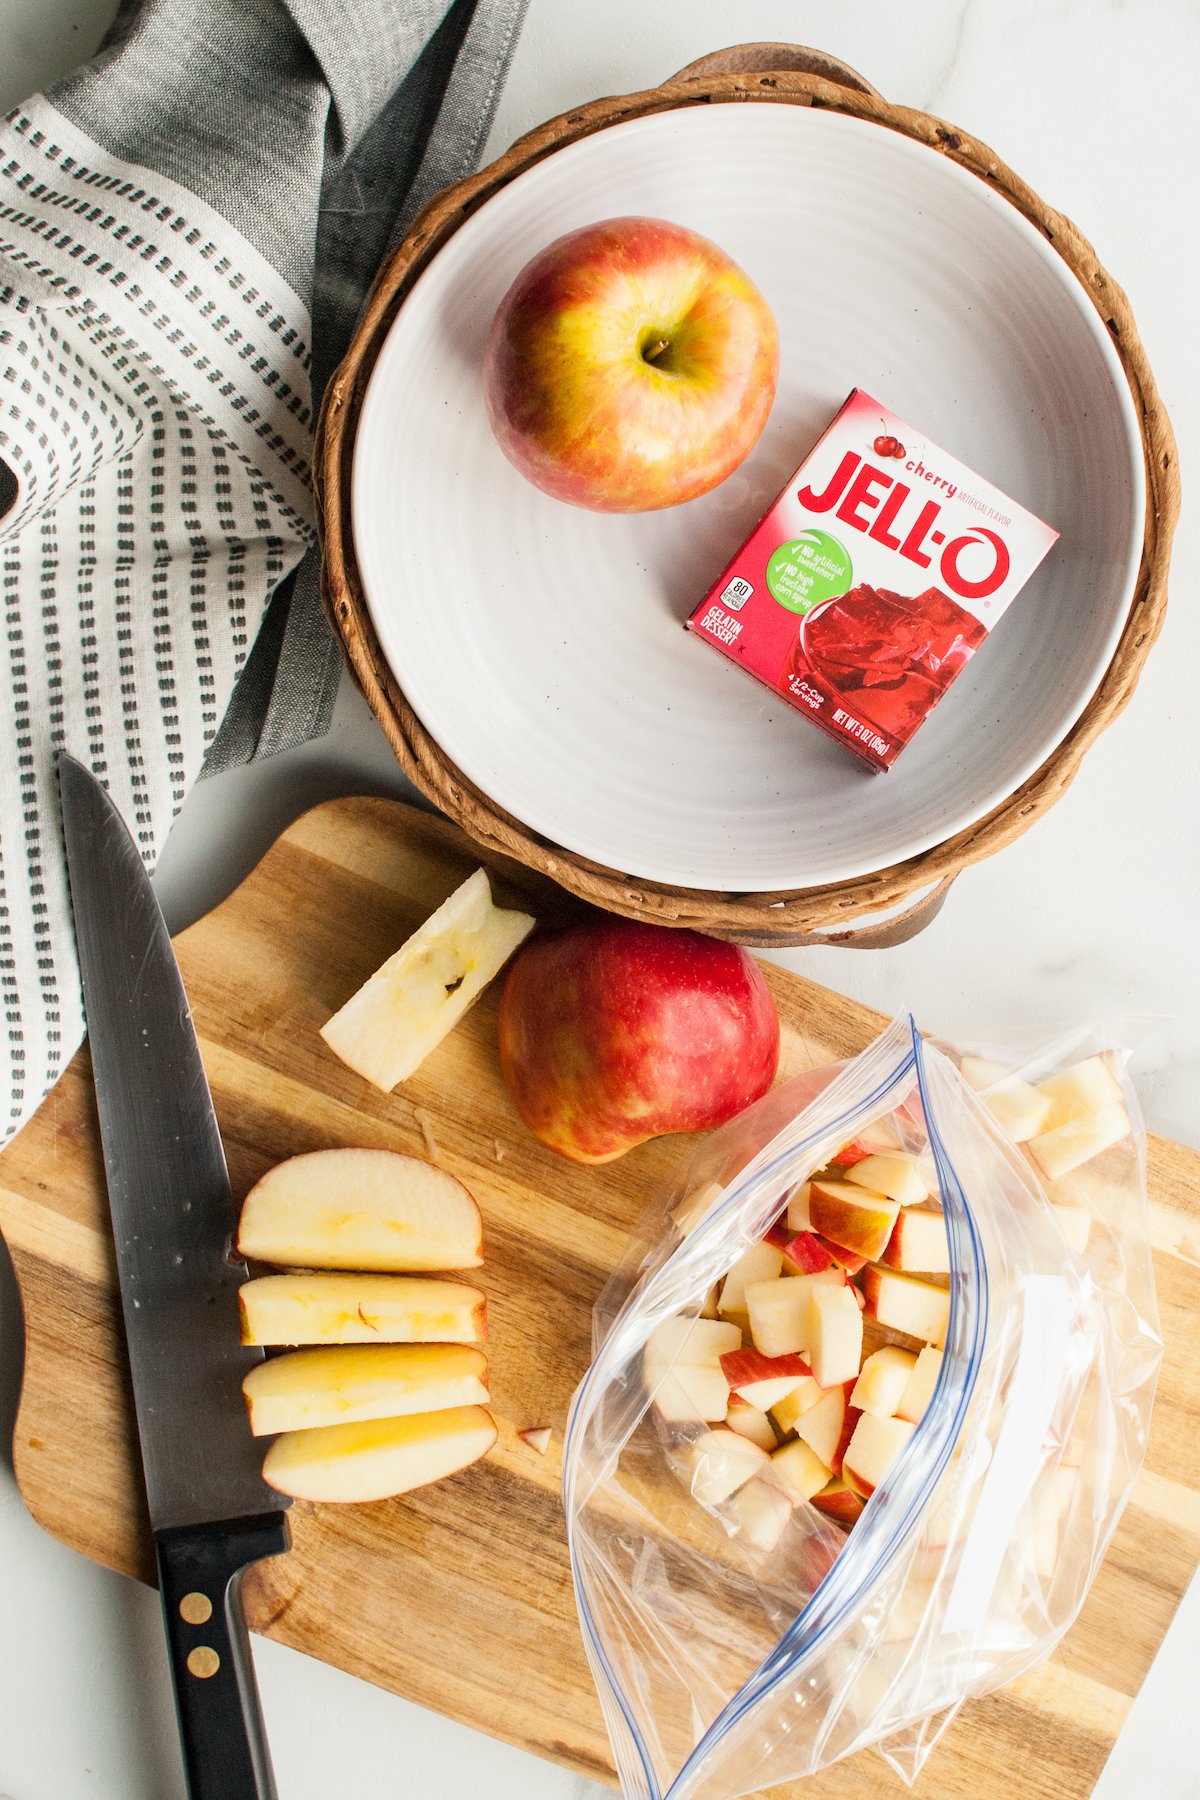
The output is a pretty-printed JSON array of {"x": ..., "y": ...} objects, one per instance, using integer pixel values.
[{"x": 784, "y": 75}]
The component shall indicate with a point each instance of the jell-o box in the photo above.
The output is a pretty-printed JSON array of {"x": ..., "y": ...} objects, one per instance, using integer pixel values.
[{"x": 872, "y": 581}]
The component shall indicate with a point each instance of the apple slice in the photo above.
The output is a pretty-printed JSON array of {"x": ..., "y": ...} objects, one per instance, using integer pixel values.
[
  {"x": 828, "y": 1427},
  {"x": 360, "y": 1309},
  {"x": 918, "y": 1390},
  {"x": 897, "y": 1175},
  {"x": 803, "y": 1397},
  {"x": 750, "y": 1422},
  {"x": 1086, "y": 1087},
  {"x": 798, "y": 1470},
  {"x": 377, "y": 1458},
  {"x": 885, "y": 1376},
  {"x": 387, "y": 1029},
  {"x": 760, "y": 1262},
  {"x": 851, "y": 1216},
  {"x": 342, "y": 1384},
  {"x": 1059, "y": 1151},
  {"x": 872, "y": 1450},
  {"x": 360, "y": 1209},
  {"x": 837, "y": 1336},
  {"x": 681, "y": 1366},
  {"x": 919, "y": 1244},
  {"x": 762, "y": 1511},
  {"x": 905, "y": 1304},
  {"x": 721, "y": 1462},
  {"x": 838, "y": 1500},
  {"x": 781, "y": 1310},
  {"x": 537, "y": 1437}
]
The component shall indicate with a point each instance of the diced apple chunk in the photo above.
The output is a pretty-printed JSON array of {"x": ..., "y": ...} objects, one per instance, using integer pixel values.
[
  {"x": 750, "y": 1422},
  {"x": 339, "y": 1385},
  {"x": 905, "y": 1304},
  {"x": 762, "y": 1511},
  {"x": 872, "y": 1450},
  {"x": 1086, "y": 1087},
  {"x": 1075, "y": 1223},
  {"x": 798, "y": 1470},
  {"x": 1059, "y": 1151},
  {"x": 1052, "y": 1497},
  {"x": 537, "y": 1437},
  {"x": 759, "y": 1262},
  {"x": 797, "y": 1209},
  {"x": 827, "y": 1427},
  {"x": 793, "y": 1406},
  {"x": 837, "y": 1336},
  {"x": 710, "y": 1309},
  {"x": 919, "y": 1244},
  {"x": 377, "y": 1458},
  {"x": 918, "y": 1390},
  {"x": 1018, "y": 1109},
  {"x": 360, "y": 1309},
  {"x": 885, "y": 1375},
  {"x": 762, "y": 1380},
  {"x": 982, "y": 1072},
  {"x": 896, "y": 1175},
  {"x": 360, "y": 1209},
  {"x": 682, "y": 1368},
  {"x": 781, "y": 1310},
  {"x": 851, "y": 1216},
  {"x": 838, "y": 1500},
  {"x": 388, "y": 1028},
  {"x": 721, "y": 1462},
  {"x": 805, "y": 1254}
]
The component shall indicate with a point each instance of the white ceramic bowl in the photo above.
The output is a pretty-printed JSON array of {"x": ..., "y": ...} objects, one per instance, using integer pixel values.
[{"x": 542, "y": 645}]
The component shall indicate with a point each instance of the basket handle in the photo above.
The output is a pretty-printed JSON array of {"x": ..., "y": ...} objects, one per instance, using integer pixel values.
[
  {"x": 888, "y": 932},
  {"x": 770, "y": 59}
]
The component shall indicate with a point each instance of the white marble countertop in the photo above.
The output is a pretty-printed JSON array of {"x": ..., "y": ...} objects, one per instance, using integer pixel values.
[{"x": 1092, "y": 912}]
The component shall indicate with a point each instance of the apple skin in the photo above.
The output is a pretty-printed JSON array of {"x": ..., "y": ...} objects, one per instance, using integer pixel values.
[
  {"x": 614, "y": 1031},
  {"x": 630, "y": 366}
]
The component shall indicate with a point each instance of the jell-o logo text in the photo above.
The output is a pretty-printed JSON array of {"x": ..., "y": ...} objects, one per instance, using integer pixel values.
[{"x": 857, "y": 490}]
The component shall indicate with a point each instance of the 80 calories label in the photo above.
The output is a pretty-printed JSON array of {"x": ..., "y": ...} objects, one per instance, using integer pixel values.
[{"x": 866, "y": 643}]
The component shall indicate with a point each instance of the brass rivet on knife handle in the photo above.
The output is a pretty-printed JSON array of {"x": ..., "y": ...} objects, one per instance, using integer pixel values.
[
  {"x": 783, "y": 917},
  {"x": 195, "y": 1609},
  {"x": 203, "y": 1662}
]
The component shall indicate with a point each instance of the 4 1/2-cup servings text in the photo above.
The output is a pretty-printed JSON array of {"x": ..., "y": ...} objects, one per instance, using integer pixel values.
[{"x": 872, "y": 581}]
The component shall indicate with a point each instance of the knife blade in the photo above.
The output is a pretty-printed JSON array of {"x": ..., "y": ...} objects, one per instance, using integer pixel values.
[{"x": 173, "y": 1218}]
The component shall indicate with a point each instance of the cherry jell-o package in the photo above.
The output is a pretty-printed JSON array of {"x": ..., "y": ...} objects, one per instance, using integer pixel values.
[{"x": 872, "y": 581}]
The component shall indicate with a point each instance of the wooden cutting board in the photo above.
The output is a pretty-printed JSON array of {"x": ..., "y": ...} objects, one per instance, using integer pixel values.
[{"x": 447, "y": 1595}]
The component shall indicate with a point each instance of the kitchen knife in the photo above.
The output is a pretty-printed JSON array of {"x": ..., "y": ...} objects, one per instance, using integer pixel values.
[{"x": 172, "y": 1214}]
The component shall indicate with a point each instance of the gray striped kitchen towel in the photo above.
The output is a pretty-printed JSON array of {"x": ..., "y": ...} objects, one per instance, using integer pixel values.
[{"x": 187, "y": 229}]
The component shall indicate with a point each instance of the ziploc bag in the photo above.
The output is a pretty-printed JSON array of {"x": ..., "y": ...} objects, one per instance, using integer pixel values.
[{"x": 732, "y": 1651}]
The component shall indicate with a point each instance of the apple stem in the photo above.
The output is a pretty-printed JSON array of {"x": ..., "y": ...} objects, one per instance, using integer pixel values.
[{"x": 656, "y": 350}]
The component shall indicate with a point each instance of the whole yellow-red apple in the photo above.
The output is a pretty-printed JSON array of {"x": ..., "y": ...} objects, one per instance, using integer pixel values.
[
  {"x": 631, "y": 365},
  {"x": 615, "y": 1031}
]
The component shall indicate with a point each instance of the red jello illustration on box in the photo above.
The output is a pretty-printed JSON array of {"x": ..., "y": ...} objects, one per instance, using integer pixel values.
[{"x": 872, "y": 581}]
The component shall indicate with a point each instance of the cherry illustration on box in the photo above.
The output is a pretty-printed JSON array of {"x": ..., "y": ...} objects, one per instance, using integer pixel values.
[{"x": 872, "y": 581}]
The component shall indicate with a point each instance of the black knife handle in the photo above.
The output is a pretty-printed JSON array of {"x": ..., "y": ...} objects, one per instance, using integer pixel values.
[{"x": 200, "y": 1572}]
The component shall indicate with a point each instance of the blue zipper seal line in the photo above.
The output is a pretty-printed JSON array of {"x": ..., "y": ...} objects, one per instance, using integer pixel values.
[
  {"x": 786, "y": 1657},
  {"x": 844, "y": 1587}
]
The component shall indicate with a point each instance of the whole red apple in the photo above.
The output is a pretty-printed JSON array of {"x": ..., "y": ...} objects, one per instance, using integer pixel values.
[
  {"x": 630, "y": 366},
  {"x": 615, "y": 1031}
]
